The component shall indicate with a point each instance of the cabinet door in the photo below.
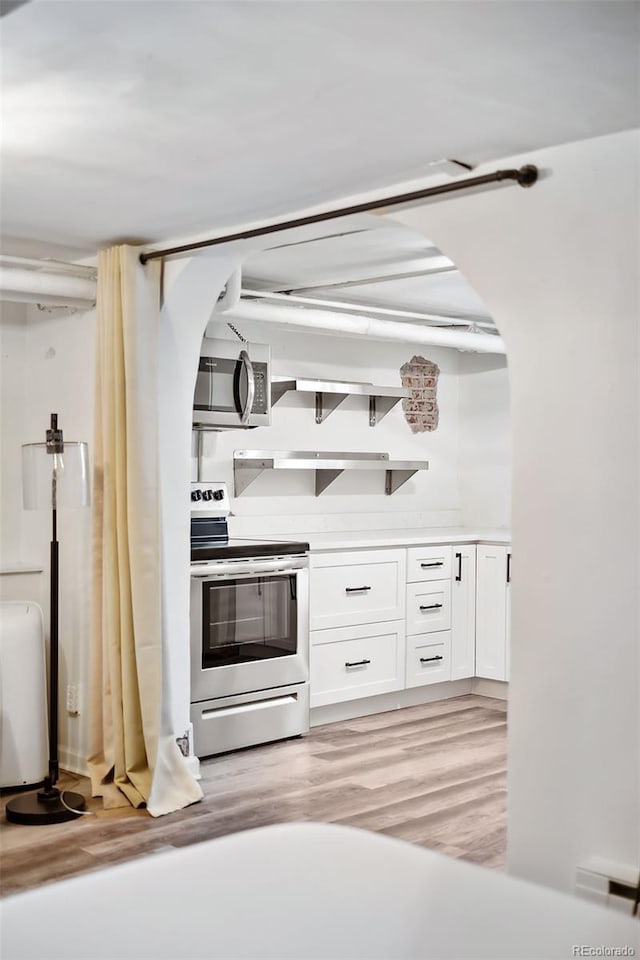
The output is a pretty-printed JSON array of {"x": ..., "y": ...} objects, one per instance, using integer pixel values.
[
  {"x": 428, "y": 659},
  {"x": 352, "y": 662},
  {"x": 356, "y": 586},
  {"x": 428, "y": 606},
  {"x": 428, "y": 563},
  {"x": 463, "y": 612},
  {"x": 491, "y": 612}
]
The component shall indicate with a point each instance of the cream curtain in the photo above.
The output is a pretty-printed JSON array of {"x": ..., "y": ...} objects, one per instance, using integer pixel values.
[{"x": 134, "y": 756}]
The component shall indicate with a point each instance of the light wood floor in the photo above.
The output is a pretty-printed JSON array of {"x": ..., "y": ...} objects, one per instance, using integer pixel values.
[{"x": 433, "y": 774}]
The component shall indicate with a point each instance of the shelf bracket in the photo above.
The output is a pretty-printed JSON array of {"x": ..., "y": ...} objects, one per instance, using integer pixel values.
[
  {"x": 326, "y": 403},
  {"x": 278, "y": 390},
  {"x": 243, "y": 476},
  {"x": 324, "y": 478},
  {"x": 379, "y": 407},
  {"x": 394, "y": 479}
]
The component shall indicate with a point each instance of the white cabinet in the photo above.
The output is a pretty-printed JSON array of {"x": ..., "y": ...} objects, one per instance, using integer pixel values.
[
  {"x": 428, "y": 563},
  {"x": 357, "y": 586},
  {"x": 428, "y": 658},
  {"x": 389, "y": 619},
  {"x": 352, "y": 662},
  {"x": 357, "y": 621},
  {"x": 428, "y": 606},
  {"x": 463, "y": 612},
  {"x": 492, "y": 610}
]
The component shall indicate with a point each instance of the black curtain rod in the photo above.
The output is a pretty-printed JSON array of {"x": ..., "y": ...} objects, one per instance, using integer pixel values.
[{"x": 525, "y": 177}]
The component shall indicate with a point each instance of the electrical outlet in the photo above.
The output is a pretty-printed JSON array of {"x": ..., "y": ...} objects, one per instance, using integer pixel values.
[{"x": 73, "y": 699}]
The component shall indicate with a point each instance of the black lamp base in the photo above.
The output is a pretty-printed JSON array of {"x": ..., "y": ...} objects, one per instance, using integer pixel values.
[{"x": 45, "y": 806}]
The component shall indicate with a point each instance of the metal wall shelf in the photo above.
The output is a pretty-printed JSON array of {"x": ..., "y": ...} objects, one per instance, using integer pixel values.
[
  {"x": 331, "y": 393},
  {"x": 249, "y": 464}
]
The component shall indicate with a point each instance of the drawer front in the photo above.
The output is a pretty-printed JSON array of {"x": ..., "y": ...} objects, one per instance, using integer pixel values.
[
  {"x": 429, "y": 659},
  {"x": 428, "y": 606},
  {"x": 355, "y": 662},
  {"x": 429, "y": 563},
  {"x": 230, "y": 723},
  {"x": 359, "y": 586}
]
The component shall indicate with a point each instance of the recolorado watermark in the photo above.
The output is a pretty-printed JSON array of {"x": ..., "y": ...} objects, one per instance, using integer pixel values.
[{"x": 583, "y": 950}]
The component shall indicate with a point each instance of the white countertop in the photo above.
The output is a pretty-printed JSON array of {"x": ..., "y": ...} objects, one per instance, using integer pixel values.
[{"x": 407, "y": 537}]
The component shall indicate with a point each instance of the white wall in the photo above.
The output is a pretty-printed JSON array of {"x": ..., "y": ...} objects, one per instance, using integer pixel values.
[
  {"x": 13, "y": 325},
  {"x": 285, "y": 500},
  {"x": 557, "y": 266},
  {"x": 48, "y": 367},
  {"x": 485, "y": 441}
]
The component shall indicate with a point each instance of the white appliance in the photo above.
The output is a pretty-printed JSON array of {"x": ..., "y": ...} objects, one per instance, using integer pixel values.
[
  {"x": 233, "y": 386},
  {"x": 24, "y": 746}
]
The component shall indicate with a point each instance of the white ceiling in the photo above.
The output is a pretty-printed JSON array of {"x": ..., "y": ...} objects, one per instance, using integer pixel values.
[
  {"x": 368, "y": 248},
  {"x": 153, "y": 120}
]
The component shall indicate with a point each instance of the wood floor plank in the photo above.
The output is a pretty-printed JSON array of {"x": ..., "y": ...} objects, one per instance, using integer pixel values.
[{"x": 432, "y": 774}]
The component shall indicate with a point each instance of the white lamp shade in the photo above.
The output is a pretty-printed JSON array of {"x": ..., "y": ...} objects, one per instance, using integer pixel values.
[{"x": 70, "y": 470}]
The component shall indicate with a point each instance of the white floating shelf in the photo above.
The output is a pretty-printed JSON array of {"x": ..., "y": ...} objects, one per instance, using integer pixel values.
[
  {"x": 249, "y": 464},
  {"x": 330, "y": 394}
]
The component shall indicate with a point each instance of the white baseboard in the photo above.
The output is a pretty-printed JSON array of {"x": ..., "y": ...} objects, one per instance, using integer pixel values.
[
  {"x": 73, "y": 762},
  {"x": 490, "y": 688},
  {"x": 333, "y": 712}
]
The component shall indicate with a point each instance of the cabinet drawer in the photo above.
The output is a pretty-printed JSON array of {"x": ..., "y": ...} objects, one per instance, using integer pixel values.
[
  {"x": 428, "y": 606},
  {"x": 360, "y": 586},
  {"x": 355, "y": 662},
  {"x": 428, "y": 563},
  {"x": 429, "y": 659}
]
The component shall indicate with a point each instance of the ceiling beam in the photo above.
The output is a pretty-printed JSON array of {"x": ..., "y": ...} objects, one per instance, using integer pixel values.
[
  {"x": 422, "y": 267},
  {"x": 341, "y": 306}
]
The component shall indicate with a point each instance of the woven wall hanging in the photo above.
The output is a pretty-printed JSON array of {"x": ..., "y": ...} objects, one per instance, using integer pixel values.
[{"x": 421, "y": 408}]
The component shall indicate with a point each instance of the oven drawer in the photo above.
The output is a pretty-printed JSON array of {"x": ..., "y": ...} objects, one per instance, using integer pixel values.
[
  {"x": 228, "y": 723},
  {"x": 429, "y": 659},
  {"x": 428, "y": 606},
  {"x": 429, "y": 563},
  {"x": 354, "y": 662},
  {"x": 357, "y": 586}
]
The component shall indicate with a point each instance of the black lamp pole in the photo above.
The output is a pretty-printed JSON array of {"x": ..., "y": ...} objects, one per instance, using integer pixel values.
[{"x": 47, "y": 806}]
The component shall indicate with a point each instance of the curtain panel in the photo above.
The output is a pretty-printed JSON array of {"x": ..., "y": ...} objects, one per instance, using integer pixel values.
[{"x": 134, "y": 755}]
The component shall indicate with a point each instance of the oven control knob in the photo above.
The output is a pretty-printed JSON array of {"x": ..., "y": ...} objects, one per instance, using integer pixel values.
[
  {"x": 207, "y": 494},
  {"x": 218, "y": 494},
  {"x": 196, "y": 495}
]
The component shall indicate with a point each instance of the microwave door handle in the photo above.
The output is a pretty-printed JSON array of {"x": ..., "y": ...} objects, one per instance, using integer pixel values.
[{"x": 251, "y": 386}]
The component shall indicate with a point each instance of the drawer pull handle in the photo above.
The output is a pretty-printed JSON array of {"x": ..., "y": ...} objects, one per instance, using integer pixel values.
[
  {"x": 459, "y": 573},
  {"x": 438, "y": 563},
  {"x": 508, "y": 568},
  {"x": 356, "y": 589},
  {"x": 429, "y": 659},
  {"x": 432, "y": 606},
  {"x": 358, "y": 663}
]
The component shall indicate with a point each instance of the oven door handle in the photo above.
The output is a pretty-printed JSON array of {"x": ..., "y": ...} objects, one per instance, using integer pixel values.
[{"x": 248, "y": 568}]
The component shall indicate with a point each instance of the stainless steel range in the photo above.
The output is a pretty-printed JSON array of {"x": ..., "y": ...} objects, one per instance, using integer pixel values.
[{"x": 249, "y": 632}]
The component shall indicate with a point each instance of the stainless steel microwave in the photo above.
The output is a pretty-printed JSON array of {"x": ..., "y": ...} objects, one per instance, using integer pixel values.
[{"x": 233, "y": 386}]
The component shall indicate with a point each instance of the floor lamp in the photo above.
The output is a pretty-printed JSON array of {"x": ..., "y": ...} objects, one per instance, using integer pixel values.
[{"x": 54, "y": 474}]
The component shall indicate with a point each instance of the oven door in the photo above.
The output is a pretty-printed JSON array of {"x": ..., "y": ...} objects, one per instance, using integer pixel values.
[{"x": 249, "y": 626}]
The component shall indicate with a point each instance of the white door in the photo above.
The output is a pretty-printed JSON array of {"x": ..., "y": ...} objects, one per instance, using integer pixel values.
[
  {"x": 463, "y": 612},
  {"x": 491, "y": 612}
]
